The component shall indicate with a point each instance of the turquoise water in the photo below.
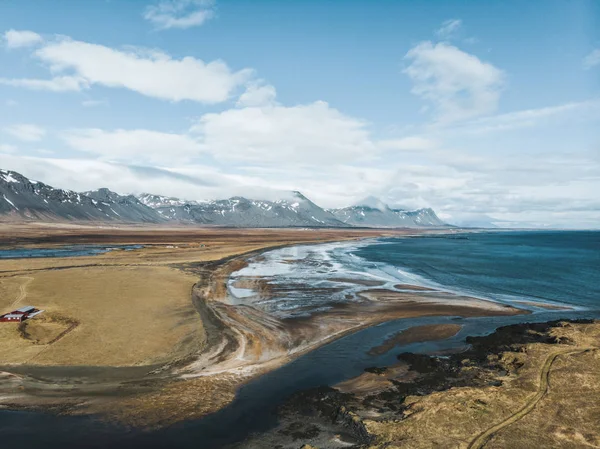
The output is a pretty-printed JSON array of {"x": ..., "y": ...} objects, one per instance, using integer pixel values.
[
  {"x": 561, "y": 267},
  {"x": 557, "y": 267}
]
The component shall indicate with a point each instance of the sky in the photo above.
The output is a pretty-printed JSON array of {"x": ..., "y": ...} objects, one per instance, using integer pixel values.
[{"x": 487, "y": 112}]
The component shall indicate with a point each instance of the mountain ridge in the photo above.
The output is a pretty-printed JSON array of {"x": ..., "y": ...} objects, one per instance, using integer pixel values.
[{"x": 22, "y": 198}]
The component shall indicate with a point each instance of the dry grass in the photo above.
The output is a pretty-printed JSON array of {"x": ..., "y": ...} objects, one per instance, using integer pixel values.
[
  {"x": 567, "y": 417},
  {"x": 126, "y": 316},
  {"x": 131, "y": 307},
  {"x": 177, "y": 401}
]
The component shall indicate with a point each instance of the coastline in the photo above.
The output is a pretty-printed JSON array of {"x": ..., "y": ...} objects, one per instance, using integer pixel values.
[
  {"x": 240, "y": 345},
  {"x": 504, "y": 390},
  {"x": 100, "y": 388},
  {"x": 244, "y": 343},
  {"x": 245, "y": 397}
]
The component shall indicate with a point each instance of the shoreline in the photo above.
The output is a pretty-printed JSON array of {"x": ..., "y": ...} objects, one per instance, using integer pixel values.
[
  {"x": 458, "y": 400},
  {"x": 94, "y": 394},
  {"x": 244, "y": 343},
  {"x": 235, "y": 348},
  {"x": 239, "y": 337}
]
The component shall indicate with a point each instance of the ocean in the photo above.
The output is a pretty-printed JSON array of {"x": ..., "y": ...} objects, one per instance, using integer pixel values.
[
  {"x": 549, "y": 267},
  {"x": 553, "y": 267}
]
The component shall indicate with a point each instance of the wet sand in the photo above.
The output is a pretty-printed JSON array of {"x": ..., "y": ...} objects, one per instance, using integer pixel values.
[
  {"x": 544, "y": 305},
  {"x": 417, "y": 334},
  {"x": 413, "y": 287}
]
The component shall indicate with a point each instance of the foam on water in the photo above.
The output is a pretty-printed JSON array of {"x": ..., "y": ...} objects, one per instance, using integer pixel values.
[{"x": 303, "y": 279}]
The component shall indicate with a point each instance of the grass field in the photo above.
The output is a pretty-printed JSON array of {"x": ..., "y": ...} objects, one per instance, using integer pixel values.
[
  {"x": 120, "y": 316},
  {"x": 121, "y": 308},
  {"x": 547, "y": 399}
]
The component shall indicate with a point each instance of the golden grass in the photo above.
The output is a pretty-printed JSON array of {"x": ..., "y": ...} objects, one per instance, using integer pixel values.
[
  {"x": 131, "y": 307},
  {"x": 125, "y": 316},
  {"x": 566, "y": 417}
]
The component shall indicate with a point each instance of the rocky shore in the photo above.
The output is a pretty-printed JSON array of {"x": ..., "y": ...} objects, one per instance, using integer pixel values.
[{"x": 447, "y": 400}]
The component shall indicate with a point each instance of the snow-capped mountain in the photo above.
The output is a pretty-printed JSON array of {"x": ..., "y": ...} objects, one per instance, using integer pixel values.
[
  {"x": 239, "y": 211},
  {"x": 126, "y": 207},
  {"x": 156, "y": 201},
  {"x": 373, "y": 213},
  {"x": 21, "y": 198}
]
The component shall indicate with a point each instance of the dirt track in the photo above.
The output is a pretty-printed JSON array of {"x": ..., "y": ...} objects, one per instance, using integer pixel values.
[
  {"x": 22, "y": 290},
  {"x": 480, "y": 440}
]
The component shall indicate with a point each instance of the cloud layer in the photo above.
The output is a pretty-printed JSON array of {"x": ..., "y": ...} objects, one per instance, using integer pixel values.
[
  {"x": 592, "y": 59},
  {"x": 458, "y": 85},
  {"x": 26, "y": 132},
  {"x": 308, "y": 134},
  {"x": 467, "y": 157},
  {"x": 148, "y": 72},
  {"x": 18, "y": 39},
  {"x": 180, "y": 14}
]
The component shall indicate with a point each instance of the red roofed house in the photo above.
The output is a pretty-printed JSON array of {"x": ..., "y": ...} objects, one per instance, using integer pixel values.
[{"x": 21, "y": 314}]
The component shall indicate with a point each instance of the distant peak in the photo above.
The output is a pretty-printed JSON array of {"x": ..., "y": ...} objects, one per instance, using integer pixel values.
[
  {"x": 372, "y": 202},
  {"x": 299, "y": 195}
]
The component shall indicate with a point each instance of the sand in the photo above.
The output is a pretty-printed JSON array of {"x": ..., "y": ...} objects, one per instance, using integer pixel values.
[{"x": 417, "y": 334}]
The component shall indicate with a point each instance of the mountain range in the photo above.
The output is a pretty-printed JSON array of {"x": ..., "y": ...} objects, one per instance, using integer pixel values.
[{"x": 22, "y": 198}]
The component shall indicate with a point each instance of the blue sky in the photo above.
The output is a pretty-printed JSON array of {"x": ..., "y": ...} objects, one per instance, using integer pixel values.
[{"x": 481, "y": 110}]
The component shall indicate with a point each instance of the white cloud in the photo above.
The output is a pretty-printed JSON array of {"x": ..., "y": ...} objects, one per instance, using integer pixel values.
[
  {"x": 257, "y": 95},
  {"x": 94, "y": 103},
  {"x": 134, "y": 146},
  {"x": 449, "y": 28},
  {"x": 56, "y": 84},
  {"x": 592, "y": 60},
  {"x": 193, "y": 182},
  {"x": 557, "y": 190},
  {"x": 150, "y": 73},
  {"x": 305, "y": 134},
  {"x": 18, "y": 39},
  {"x": 6, "y": 148},
  {"x": 181, "y": 14},
  {"x": 458, "y": 84},
  {"x": 26, "y": 132},
  {"x": 529, "y": 117},
  {"x": 411, "y": 143}
]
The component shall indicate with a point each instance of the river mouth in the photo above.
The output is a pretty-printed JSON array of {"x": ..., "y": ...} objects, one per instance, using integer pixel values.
[{"x": 256, "y": 407}]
